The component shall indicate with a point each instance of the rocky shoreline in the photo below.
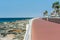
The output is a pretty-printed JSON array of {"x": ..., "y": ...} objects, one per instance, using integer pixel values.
[{"x": 18, "y": 28}]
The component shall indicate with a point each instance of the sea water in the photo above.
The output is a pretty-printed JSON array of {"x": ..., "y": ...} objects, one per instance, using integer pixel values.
[{"x": 12, "y": 19}]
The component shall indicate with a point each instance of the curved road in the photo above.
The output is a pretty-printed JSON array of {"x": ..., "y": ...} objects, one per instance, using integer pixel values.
[{"x": 45, "y": 30}]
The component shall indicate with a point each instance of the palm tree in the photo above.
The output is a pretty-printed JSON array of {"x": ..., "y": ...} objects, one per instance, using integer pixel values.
[
  {"x": 56, "y": 7},
  {"x": 46, "y": 14}
]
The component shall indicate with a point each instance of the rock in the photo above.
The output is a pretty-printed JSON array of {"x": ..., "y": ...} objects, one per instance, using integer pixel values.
[{"x": 20, "y": 27}]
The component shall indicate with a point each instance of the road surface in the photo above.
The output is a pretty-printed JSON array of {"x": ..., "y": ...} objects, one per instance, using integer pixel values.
[{"x": 45, "y": 30}]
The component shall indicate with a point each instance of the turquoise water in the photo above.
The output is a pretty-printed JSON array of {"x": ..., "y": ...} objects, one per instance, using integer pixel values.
[{"x": 12, "y": 19}]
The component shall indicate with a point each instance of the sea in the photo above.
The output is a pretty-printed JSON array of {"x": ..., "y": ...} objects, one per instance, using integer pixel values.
[{"x": 12, "y": 19}]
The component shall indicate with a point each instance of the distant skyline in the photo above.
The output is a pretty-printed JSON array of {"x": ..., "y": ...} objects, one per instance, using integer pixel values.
[{"x": 25, "y": 8}]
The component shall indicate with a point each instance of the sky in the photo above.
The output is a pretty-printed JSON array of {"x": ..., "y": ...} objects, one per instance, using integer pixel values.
[{"x": 24, "y": 8}]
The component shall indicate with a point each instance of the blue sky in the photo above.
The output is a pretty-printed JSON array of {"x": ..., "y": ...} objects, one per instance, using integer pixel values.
[{"x": 24, "y": 8}]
